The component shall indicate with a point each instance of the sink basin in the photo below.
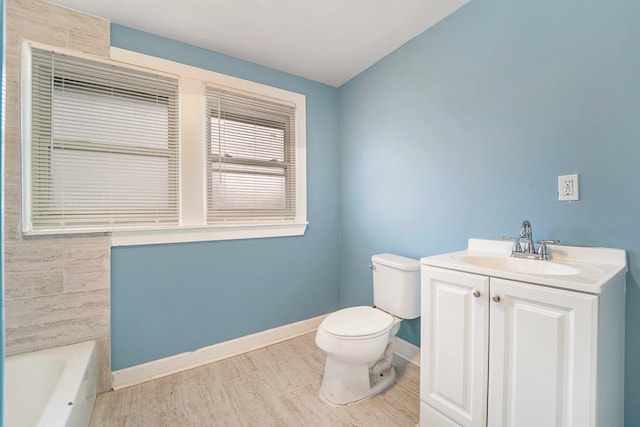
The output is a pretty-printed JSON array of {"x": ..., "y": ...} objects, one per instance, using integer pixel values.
[{"x": 517, "y": 265}]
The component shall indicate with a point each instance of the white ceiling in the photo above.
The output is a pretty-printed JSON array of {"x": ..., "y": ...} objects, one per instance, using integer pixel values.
[{"x": 329, "y": 41}]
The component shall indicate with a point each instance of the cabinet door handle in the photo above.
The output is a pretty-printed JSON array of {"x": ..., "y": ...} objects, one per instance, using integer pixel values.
[
  {"x": 476, "y": 293},
  {"x": 496, "y": 297}
]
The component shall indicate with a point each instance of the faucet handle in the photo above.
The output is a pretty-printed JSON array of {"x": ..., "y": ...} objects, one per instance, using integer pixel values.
[
  {"x": 516, "y": 244},
  {"x": 542, "y": 250},
  {"x": 553, "y": 242}
]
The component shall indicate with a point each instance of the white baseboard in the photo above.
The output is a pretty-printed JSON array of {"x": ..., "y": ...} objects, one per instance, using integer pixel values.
[
  {"x": 408, "y": 351},
  {"x": 181, "y": 362}
]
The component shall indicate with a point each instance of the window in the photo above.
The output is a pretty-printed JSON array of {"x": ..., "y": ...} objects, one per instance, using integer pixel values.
[
  {"x": 155, "y": 151},
  {"x": 251, "y": 158},
  {"x": 103, "y": 146}
]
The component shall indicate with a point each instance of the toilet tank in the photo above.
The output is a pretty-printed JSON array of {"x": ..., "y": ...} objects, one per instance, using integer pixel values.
[{"x": 396, "y": 285}]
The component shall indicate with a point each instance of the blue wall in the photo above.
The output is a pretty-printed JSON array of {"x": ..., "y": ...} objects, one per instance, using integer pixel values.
[
  {"x": 463, "y": 131},
  {"x": 169, "y": 299},
  {"x": 460, "y": 133}
]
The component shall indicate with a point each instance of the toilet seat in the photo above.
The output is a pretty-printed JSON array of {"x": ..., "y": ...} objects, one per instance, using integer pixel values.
[{"x": 357, "y": 323}]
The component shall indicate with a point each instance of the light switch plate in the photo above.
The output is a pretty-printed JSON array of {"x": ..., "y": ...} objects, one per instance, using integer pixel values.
[{"x": 568, "y": 187}]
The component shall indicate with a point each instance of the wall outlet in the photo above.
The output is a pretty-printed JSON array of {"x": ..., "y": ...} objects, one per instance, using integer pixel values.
[{"x": 568, "y": 188}]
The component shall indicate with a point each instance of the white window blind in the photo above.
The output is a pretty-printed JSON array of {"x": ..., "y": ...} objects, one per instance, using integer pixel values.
[
  {"x": 104, "y": 145},
  {"x": 251, "y": 157}
]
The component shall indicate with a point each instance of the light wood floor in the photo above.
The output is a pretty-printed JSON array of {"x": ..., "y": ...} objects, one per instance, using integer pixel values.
[{"x": 272, "y": 386}]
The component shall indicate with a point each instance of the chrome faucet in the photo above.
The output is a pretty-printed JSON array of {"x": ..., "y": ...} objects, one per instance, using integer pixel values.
[
  {"x": 529, "y": 251},
  {"x": 527, "y": 232}
]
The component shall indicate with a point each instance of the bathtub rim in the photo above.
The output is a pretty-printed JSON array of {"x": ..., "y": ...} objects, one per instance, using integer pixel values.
[{"x": 80, "y": 362}]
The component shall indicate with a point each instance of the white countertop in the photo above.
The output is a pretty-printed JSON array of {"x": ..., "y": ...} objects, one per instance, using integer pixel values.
[{"x": 595, "y": 267}]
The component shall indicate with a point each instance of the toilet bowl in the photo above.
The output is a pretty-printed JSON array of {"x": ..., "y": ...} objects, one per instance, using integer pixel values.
[{"x": 359, "y": 341}]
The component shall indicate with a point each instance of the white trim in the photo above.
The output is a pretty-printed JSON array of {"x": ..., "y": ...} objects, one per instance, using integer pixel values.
[
  {"x": 181, "y": 362},
  {"x": 183, "y": 70},
  {"x": 408, "y": 351},
  {"x": 193, "y": 154},
  {"x": 25, "y": 131},
  {"x": 200, "y": 234}
]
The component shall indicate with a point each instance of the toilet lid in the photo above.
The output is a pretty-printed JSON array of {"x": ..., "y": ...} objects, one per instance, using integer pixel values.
[{"x": 357, "y": 322}]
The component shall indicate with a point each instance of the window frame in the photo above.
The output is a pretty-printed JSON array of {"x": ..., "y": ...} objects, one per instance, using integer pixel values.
[
  {"x": 222, "y": 106},
  {"x": 193, "y": 175}
]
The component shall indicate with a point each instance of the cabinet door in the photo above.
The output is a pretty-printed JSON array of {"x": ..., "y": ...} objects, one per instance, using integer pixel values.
[
  {"x": 542, "y": 356},
  {"x": 454, "y": 335}
]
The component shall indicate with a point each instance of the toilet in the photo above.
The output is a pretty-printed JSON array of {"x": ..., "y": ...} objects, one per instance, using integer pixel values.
[{"x": 359, "y": 341}]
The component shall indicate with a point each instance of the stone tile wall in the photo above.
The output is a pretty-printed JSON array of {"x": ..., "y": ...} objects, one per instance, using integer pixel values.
[{"x": 57, "y": 290}]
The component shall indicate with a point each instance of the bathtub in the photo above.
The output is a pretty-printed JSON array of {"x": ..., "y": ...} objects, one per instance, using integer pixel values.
[{"x": 51, "y": 388}]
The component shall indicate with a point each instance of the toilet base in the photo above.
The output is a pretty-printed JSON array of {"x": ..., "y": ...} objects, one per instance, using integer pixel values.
[{"x": 345, "y": 383}]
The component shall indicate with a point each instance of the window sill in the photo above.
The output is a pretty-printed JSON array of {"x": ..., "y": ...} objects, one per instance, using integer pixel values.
[{"x": 203, "y": 234}]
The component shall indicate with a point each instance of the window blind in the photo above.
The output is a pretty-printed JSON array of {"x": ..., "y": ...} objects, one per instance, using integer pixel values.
[
  {"x": 104, "y": 145},
  {"x": 251, "y": 157}
]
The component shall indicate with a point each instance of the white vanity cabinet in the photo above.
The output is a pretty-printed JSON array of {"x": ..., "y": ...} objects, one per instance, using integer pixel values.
[
  {"x": 503, "y": 352},
  {"x": 454, "y": 348}
]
